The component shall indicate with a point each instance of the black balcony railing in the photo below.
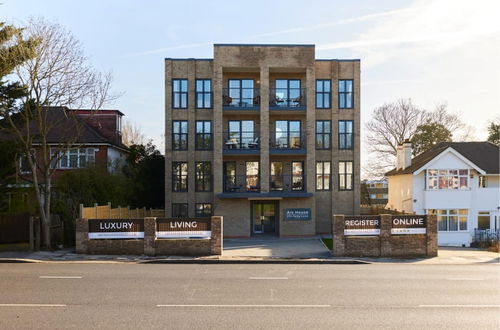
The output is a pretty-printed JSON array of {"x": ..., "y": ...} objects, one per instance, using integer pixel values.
[
  {"x": 242, "y": 183},
  {"x": 283, "y": 140},
  {"x": 291, "y": 98},
  {"x": 294, "y": 182},
  {"x": 241, "y": 140},
  {"x": 241, "y": 98}
]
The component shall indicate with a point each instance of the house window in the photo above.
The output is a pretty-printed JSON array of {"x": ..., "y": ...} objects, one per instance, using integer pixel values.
[
  {"x": 483, "y": 220},
  {"x": 323, "y": 93},
  {"x": 203, "y": 135},
  {"x": 298, "y": 176},
  {"x": 24, "y": 164},
  {"x": 345, "y": 94},
  {"x": 179, "y": 210},
  {"x": 277, "y": 176},
  {"x": 287, "y": 134},
  {"x": 179, "y": 93},
  {"x": 323, "y": 134},
  {"x": 323, "y": 173},
  {"x": 451, "y": 220},
  {"x": 72, "y": 158},
  {"x": 203, "y": 93},
  {"x": 345, "y": 175},
  {"x": 179, "y": 135},
  {"x": 447, "y": 179},
  {"x": 202, "y": 210},
  {"x": 179, "y": 176},
  {"x": 203, "y": 176},
  {"x": 252, "y": 176},
  {"x": 345, "y": 134},
  {"x": 483, "y": 181}
]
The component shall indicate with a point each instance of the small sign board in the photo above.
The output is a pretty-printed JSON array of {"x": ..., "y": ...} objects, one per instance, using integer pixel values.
[
  {"x": 298, "y": 214},
  {"x": 116, "y": 228},
  {"x": 183, "y": 228},
  {"x": 362, "y": 225},
  {"x": 408, "y": 224}
]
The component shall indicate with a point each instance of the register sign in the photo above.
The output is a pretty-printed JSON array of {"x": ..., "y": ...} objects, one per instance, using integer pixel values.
[{"x": 362, "y": 225}]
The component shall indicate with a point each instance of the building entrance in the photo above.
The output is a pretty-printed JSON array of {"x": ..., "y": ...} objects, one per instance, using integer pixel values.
[{"x": 264, "y": 217}]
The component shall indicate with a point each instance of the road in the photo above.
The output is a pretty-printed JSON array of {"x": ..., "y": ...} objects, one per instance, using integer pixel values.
[{"x": 293, "y": 296}]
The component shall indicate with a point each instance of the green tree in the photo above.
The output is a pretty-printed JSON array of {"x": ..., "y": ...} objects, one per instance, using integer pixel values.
[
  {"x": 428, "y": 135},
  {"x": 494, "y": 132}
]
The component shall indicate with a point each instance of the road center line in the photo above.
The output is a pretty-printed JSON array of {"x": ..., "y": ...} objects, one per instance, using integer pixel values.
[
  {"x": 250, "y": 306},
  {"x": 465, "y": 279},
  {"x": 459, "y": 306},
  {"x": 60, "y": 276},
  {"x": 268, "y": 278},
  {"x": 32, "y": 305}
]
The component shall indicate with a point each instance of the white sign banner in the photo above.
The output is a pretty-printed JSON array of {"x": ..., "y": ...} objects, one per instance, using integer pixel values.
[
  {"x": 361, "y": 232},
  {"x": 184, "y": 234},
  {"x": 405, "y": 231},
  {"x": 117, "y": 235}
]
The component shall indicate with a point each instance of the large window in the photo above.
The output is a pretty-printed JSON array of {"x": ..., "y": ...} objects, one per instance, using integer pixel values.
[
  {"x": 230, "y": 183},
  {"x": 179, "y": 135},
  {"x": 345, "y": 134},
  {"x": 252, "y": 176},
  {"x": 203, "y": 93},
  {"x": 72, "y": 158},
  {"x": 447, "y": 179},
  {"x": 323, "y": 174},
  {"x": 277, "y": 176},
  {"x": 345, "y": 94},
  {"x": 483, "y": 220},
  {"x": 451, "y": 220},
  {"x": 203, "y": 139},
  {"x": 179, "y": 176},
  {"x": 345, "y": 175},
  {"x": 179, "y": 93},
  {"x": 323, "y": 134},
  {"x": 241, "y": 135},
  {"x": 179, "y": 210},
  {"x": 24, "y": 163},
  {"x": 297, "y": 176},
  {"x": 203, "y": 176},
  {"x": 202, "y": 210},
  {"x": 241, "y": 93},
  {"x": 287, "y": 93},
  {"x": 287, "y": 134},
  {"x": 323, "y": 94}
]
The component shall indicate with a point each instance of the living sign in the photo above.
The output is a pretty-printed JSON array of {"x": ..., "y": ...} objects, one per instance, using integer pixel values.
[
  {"x": 116, "y": 228},
  {"x": 408, "y": 224},
  {"x": 183, "y": 228},
  {"x": 362, "y": 225}
]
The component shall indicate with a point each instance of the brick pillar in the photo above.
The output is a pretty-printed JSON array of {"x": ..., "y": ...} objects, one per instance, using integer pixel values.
[
  {"x": 82, "y": 235},
  {"x": 385, "y": 235},
  {"x": 264, "y": 129},
  {"x": 431, "y": 236},
  {"x": 149, "y": 236},
  {"x": 338, "y": 246},
  {"x": 216, "y": 244}
]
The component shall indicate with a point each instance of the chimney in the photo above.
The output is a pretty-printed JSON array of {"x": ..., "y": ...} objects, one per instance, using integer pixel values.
[
  {"x": 403, "y": 155},
  {"x": 399, "y": 157}
]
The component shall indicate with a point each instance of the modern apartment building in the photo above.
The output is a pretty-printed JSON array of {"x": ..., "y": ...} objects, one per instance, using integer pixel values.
[{"x": 266, "y": 136}]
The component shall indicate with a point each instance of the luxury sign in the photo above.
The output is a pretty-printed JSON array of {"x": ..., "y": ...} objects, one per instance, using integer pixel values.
[
  {"x": 116, "y": 228},
  {"x": 183, "y": 228},
  {"x": 362, "y": 225},
  {"x": 408, "y": 224}
]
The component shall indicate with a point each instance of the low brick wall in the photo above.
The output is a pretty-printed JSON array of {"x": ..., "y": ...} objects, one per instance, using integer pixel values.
[
  {"x": 150, "y": 245},
  {"x": 385, "y": 244}
]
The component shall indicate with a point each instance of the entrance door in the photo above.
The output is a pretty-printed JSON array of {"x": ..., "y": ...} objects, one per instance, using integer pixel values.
[{"x": 264, "y": 217}]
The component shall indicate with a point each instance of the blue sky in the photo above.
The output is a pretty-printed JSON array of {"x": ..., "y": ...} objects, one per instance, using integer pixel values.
[{"x": 431, "y": 51}]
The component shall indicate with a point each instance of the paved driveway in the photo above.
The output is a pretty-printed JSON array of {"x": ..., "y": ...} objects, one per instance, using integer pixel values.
[{"x": 310, "y": 247}]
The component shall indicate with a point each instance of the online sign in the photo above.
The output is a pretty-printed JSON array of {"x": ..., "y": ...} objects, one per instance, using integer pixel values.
[
  {"x": 408, "y": 224},
  {"x": 183, "y": 228},
  {"x": 362, "y": 225},
  {"x": 116, "y": 228}
]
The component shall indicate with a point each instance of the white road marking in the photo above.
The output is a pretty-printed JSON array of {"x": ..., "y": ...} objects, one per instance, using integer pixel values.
[
  {"x": 32, "y": 305},
  {"x": 268, "y": 278},
  {"x": 459, "y": 306},
  {"x": 464, "y": 279},
  {"x": 61, "y": 276},
  {"x": 244, "y": 306}
]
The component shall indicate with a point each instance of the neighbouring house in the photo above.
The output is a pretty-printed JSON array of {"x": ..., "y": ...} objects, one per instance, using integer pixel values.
[
  {"x": 458, "y": 181},
  {"x": 374, "y": 192}
]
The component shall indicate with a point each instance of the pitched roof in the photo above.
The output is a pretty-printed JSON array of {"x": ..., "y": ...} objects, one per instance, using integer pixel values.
[{"x": 484, "y": 155}]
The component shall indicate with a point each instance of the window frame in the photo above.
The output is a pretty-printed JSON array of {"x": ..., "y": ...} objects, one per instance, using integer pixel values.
[
  {"x": 23, "y": 158},
  {"x": 67, "y": 153},
  {"x": 448, "y": 177},
  {"x": 203, "y": 177},
  {"x": 323, "y": 134},
  {"x": 342, "y": 95},
  {"x": 289, "y": 136},
  {"x": 448, "y": 215},
  {"x": 329, "y": 180},
  {"x": 203, "y": 92},
  {"x": 323, "y": 93},
  {"x": 177, "y": 177},
  {"x": 204, "y": 135},
  {"x": 204, "y": 214},
  {"x": 345, "y": 175},
  {"x": 180, "y": 93},
  {"x": 180, "y": 134},
  {"x": 186, "y": 209},
  {"x": 240, "y": 90},
  {"x": 346, "y": 134}
]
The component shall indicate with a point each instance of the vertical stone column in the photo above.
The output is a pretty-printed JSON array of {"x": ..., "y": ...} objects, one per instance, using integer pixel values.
[
  {"x": 385, "y": 235},
  {"x": 149, "y": 236},
  {"x": 357, "y": 137},
  {"x": 216, "y": 242},
  {"x": 217, "y": 126},
  {"x": 82, "y": 235},
  {"x": 264, "y": 129},
  {"x": 191, "y": 155},
  {"x": 431, "y": 236},
  {"x": 338, "y": 238},
  {"x": 168, "y": 137},
  {"x": 310, "y": 130}
]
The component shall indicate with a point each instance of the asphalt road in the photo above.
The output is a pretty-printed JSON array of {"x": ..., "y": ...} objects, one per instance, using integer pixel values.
[{"x": 141, "y": 296}]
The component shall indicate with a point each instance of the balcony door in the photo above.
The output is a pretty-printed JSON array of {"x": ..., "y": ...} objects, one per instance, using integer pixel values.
[
  {"x": 287, "y": 134},
  {"x": 241, "y": 92},
  {"x": 288, "y": 92},
  {"x": 297, "y": 176},
  {"x": 241, "y": 133}
]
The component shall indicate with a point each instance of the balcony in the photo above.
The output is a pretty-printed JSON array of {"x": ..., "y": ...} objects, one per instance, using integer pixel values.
[
  {"x": 287, "y": 142},
  {"x": 242, "y": 183},
  {"x": 241, "y": 99},
  {"x": 241, "y": 143},
  {"x": 287, "y": 99},
  {"x": 287, "y": 183}
]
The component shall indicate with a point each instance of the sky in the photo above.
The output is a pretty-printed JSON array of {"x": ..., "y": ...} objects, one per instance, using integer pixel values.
[{"x": 431, "y": 51}]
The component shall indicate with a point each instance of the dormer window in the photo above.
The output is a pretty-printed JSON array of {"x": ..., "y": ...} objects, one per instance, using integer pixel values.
[{"x": 448, "y": 179}]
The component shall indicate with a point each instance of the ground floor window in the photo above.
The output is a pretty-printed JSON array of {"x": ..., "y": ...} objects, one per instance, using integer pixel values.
[
  {"x": 483, "y": 220},
  {"x": 451, "y": 220},
  {"x": 203, "y": 210},
  {"x": 179, "y": 210}
]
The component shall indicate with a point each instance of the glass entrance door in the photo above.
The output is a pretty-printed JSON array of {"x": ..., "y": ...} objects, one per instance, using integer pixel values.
[{"x": 264, "y": 217}]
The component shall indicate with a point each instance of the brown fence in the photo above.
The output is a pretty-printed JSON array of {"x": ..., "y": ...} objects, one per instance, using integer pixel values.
[
  {"x": 107, "y": 212},
  {"x": 15, "y": 228}
]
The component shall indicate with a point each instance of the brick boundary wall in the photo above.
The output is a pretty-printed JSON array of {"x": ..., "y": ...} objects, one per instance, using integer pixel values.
[
  {"x": 150, "y": 245},
  {"x": 385, "y": 244}
]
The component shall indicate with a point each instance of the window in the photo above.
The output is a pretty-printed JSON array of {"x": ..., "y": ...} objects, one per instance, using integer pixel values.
[
  {"x": 203, "y": 139},
  {"x": 323, "y": 94},
  {"x": 447, "y": 179},
  {"x": 277, "y": 176},
  {"x": 72, "y": 158},
  {"x": 297, "y": 176},
  {"x": 323, "y": 134},
  {"x": 451, "y": 220},
  {"x": 179, "y": 176},
  {"x": 203, "y": 93},
  {"x": 483, "y": 181},
  {"x": 252, "y": 176},
  {"x": 179, "y": 210},
  {"x": 287, "y": 134},
  {"x": 483, "y": 220},
  {"x": 345, "y": 94},
  {"x": 24, "y": 164},
  {"x": 241, "y": 135},
  {"x": 203, "y": 176},
  {"x": 202, "y": 210},
  {"x": 241, "y": 93},
  {"x": 323, "y": 172},
  {"x": 230, "y": 183},
  {"x": 179, "y": 93},
  {"x": 287, "y": 93},
  {"x": 345, "y": 175},
  {"x": 179, "y": 135},
  {"x": 345, "y": 134}
]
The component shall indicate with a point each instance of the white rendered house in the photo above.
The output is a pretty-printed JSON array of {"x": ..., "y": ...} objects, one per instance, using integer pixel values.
[{"x": 458, "y": 181}]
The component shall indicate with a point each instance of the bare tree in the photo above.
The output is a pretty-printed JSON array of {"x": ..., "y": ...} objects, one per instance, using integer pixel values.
[
  {"x": 58, "y": 75},
  {"x": 131, "y": 134}
]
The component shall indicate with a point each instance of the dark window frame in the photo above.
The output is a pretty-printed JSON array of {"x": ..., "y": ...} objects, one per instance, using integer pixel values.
[
  {"x": 323, "y": 94},
  {"x": 180, "y": 134},
  {"x": 302, "y": 176},
  {"x": 288, "y": 131},
  {"x": 203, "y": 177},
  {"x": 323, "y": 175},
  {"x": 323, "y": 135},
  {"x": 345, "y": 175},
  {"x": 204, "y": 213},
  {"x": 346, "y": 135},
  {"x": 178, "y": 177},
  {"x": 343, "y": 94},
  {"x": 240, "y": 89},
  {"x": 203, "y": 92},
  {"x": 203, "y": 136},
  {"x": 185, "y": 207},
  {"x": 180, "y": 93}
]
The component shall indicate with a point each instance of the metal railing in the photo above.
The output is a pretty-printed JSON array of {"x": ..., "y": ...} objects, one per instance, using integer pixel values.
[
  {"x": 486, "y": 235},
  {"x": 283, "y": 98},
  {"x": 241, "y": 140},
  {"x": 282, "y": 140},
  {"x": 293, "y": 182},
  {"x": 243, "y": 98},
  {"x": 242, "y": 183}
]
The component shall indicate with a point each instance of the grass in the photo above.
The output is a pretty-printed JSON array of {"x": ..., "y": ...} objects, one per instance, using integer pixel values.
[{"x": 328, "y": 242}]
